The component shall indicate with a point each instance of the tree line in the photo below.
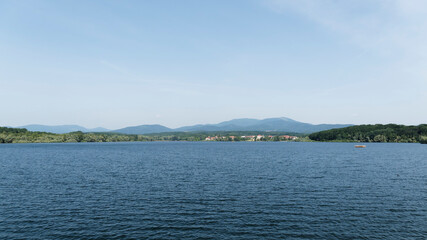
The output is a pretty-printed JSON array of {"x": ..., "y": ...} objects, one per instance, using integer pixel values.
[
  {"x": 20, "y": 135},
  {"x": 374, "y": 133},
  {"x": 361, "y": 133}
]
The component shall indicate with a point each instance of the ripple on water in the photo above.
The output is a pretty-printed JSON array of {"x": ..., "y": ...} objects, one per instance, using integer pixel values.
[{"x": 184, "y": 190}]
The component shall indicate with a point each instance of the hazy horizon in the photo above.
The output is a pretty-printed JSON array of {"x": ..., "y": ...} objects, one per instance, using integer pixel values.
[
  {"x": 173, "y": 127},
  {"x": 116, "y": 64}
]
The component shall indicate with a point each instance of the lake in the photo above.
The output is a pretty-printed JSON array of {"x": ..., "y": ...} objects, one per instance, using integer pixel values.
[{"x": 213, "y": 190}]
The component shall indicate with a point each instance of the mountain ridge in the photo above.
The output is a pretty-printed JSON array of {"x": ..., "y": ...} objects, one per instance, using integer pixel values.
[
  {"x": 61, "y": 128},
  {"x": 241, "y": 124},
  {"x": 143, "y": 129},
  {"x": 280, "y": 124}
]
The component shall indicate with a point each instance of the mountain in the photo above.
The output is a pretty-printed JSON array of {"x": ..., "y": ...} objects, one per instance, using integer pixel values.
[
  {"x": 269, "y": 124},
  {"x": 99, "y": 129},
  {"x": 243, "y": 124},
  {"x": 61, "y": 128},
  {"x": 143, "y": 129}
]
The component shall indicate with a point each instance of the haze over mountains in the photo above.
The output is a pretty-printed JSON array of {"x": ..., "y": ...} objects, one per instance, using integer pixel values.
[
  {"x": 243, "y": 124},
  {"x": 62, "y": 128}
]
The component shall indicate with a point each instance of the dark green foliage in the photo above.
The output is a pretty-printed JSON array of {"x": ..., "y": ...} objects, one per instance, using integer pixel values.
[
  {"x": 12, "y": 130},
  {"x": 373, "y": 133},
  {"x": 16, "y": 135}
]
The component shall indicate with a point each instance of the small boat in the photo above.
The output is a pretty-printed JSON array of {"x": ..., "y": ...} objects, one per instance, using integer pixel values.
[{"x": 360, "y": 146}]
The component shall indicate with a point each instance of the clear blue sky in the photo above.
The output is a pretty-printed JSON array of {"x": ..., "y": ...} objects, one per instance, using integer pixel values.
[{"x": 122, "y": 63}]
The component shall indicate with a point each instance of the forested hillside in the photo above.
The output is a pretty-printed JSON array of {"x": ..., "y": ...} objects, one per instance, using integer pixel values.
[
  {"x": 374, "y": 133},
  {"x": 19, "y": 135}
]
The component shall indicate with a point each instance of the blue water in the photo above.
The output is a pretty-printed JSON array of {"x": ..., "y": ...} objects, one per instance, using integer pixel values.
[{"x": 213, "y": 190}]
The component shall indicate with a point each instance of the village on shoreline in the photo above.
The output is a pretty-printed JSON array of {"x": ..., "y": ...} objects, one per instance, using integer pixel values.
[{"x": 252, "y": 138}]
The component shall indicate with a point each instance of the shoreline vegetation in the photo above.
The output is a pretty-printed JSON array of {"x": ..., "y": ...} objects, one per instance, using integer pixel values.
[
  {"x": 21, "y": 135},
  {"x": 361, "y": 133},
  {"x": 374, "y": 133}
]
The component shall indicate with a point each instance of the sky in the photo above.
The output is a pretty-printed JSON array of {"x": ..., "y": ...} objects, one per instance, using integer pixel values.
[{"x": 124, "y": 63}]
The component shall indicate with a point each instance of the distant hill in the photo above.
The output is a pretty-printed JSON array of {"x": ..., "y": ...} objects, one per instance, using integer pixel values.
[
  {"x": 374, "y": 133},
  {"x": 98, "y": 129},
  {"x": 143, "y": 129},
  {"x": 269, "y": 124},
  {"x": 61, "y": 128},
  {"x": 243, "y": 124}
]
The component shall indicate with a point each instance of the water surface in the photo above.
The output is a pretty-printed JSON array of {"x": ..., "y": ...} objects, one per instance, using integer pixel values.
[{"x": 213, "y": 190}]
